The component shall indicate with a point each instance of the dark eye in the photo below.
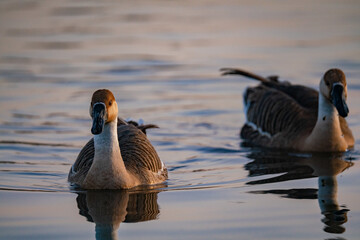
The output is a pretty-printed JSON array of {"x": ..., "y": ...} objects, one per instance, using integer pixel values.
[
  {"x": 110, "y": 103},
  {"x": 327, "y": 83}
]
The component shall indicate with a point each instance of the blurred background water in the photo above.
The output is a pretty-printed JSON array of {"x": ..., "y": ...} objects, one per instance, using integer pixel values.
[{"x": 161, "y": 60}]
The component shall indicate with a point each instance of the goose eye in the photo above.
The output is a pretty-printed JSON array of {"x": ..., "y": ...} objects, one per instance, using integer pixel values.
[
  {"x": 327, "y": 83},
  {"x": 110, "y": 103}
]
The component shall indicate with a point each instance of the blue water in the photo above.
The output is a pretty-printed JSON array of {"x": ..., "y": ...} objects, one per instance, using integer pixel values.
[{"x": 161, "y": 61}]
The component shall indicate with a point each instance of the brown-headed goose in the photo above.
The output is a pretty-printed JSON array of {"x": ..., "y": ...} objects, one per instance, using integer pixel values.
[
  {"x": 119, "y": 156},
  {"x": 286, "y": 116}
]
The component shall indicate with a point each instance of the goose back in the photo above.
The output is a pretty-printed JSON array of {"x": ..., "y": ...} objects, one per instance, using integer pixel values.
[{"x": 279, "y": 114}]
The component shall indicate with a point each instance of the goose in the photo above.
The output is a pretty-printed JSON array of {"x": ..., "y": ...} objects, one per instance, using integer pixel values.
[
  {"x": 285, "y": 116},
  {"x": 119, "y": 156}
]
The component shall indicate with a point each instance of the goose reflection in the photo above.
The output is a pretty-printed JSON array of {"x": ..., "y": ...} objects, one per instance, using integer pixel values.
[
  {"x": 107, "y": 209},
  {"x": 324, "y": 167}
]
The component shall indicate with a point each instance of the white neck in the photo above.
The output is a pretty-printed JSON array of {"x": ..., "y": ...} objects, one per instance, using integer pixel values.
[
  {"x": 106, "y": 143},
  {"x": 327, "y": 134},
  {"x": 108, "y": 168},
  {"x": 327, "y": 113}
]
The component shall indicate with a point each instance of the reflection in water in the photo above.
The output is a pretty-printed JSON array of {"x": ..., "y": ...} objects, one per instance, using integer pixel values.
[
  {"x": 325, "y": 167},
  {"x": 107, "y": 209}
]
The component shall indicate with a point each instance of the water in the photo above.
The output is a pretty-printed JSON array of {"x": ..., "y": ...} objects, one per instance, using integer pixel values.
[{"x": 161, "y": 60}]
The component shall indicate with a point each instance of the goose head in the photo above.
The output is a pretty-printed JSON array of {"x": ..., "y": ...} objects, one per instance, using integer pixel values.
[
  {"x": 103, "y": 110},
  {"x": 333, "y": 87}
]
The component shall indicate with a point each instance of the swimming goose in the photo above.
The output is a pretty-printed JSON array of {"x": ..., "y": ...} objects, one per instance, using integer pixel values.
[
  {"x": 285, "y": 116},
  {"x": 119, "y": 156}
]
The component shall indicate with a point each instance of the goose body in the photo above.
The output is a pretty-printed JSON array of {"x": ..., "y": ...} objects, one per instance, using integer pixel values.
[
  {"x": 119, "y": 156},
  {"x": 285, "y": 116}
]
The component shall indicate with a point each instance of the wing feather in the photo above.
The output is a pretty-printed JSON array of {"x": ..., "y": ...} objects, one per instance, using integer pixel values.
[{"x": 276, "y": 111}]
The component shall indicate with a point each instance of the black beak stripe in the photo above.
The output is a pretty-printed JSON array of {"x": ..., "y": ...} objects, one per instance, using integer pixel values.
[
  {"x": 98, "y": 116},
  {"x": 338, "y": 99}
]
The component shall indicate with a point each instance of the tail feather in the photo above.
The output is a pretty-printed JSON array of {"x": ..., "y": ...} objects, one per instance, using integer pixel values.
[
  {"x": 147, "y": 126},
  {"x": 140, "y": 124},
  {"x": 236, "y": 71},
  {"x": 143, "y": 127}
]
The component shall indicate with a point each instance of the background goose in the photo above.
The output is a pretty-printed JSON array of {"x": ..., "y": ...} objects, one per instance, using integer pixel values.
[
  {"x": 119, "y": 155},
  {"x": 282, "y": 115}
]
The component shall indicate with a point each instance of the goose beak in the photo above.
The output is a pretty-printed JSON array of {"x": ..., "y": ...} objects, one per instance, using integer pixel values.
[
  {"x": 98, "y": 115},
  {"x": 338, "y": 99}
]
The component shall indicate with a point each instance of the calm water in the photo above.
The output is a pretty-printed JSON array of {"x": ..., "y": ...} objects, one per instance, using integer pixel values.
[{"x": 161, "y": 60}]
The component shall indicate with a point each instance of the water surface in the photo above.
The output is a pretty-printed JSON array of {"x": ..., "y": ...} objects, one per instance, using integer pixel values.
[{"x": 161, "y": 61}]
